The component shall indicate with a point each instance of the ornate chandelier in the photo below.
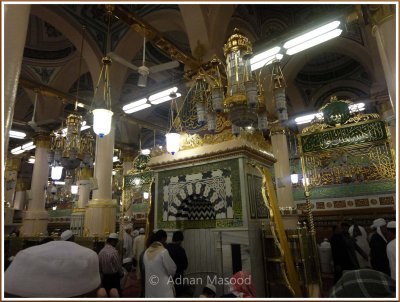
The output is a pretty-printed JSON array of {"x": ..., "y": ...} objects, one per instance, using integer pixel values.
[{"x": 241, "y": 99}]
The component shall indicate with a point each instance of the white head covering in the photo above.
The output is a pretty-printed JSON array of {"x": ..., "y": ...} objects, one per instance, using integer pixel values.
[
  {"x": 128, "y": 227},
  {"x": 57, "y": 269},
  {"x": 135, "y": 233},
  {"x": 141, "y": 231},
  {"x": 126, "y": 260},
  {"x": 391, "y": 225},
  {"x": 378, "y": 223},
  {"x": 211, "y": 287},
  {"x": 66, "y": 235},
  {"x": 113, "y": 236}
]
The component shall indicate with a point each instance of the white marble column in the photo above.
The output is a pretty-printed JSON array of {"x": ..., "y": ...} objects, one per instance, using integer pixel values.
[
  {"x": 16, "y": 19},
  {"x": 78, "y": 213},
  {"x": 36, "y": 217},
  {"x": 384, "y": 30},
  {"x": 100, "y": 214},
  {"x": 284, "y": 191}
]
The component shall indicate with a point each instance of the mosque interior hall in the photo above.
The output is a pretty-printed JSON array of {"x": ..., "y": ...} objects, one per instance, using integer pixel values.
[{"x": 260, "y": 137}]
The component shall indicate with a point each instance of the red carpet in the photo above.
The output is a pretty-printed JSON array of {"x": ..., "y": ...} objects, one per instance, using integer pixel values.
[{"x": 131, "y": 289}]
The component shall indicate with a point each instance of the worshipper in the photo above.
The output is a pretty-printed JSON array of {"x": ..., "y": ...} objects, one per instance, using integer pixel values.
[
  {"x": 138, "y": 248},
  {"x": 364, "y": 283},
  {"x": 178, "y": 254},
  {"x": 391, "y": 248},
  {"x": 344, "y": 251},
  {"x": 325, "y": 256},
  {"x": 57, "y": 269},
  {"x": 209, "y": 291},
  {"x": 128, "y": 242},
  {"x": 159, "y": 269},
  {"x": 241, "y": 286},
  {"x": 67, "y": 235},
  {"x": 149, "y": 241},
  {"x": 110, "y": 265},
  {"x": 360, "y": 235},
  {"x": 379, "y": 259}
]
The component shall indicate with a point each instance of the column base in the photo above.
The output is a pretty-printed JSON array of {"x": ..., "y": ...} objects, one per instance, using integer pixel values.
[
  {"x": 35, "y": 223},
  {"x": 100, "y": 218},
  {"x": 78, "y": 221}
]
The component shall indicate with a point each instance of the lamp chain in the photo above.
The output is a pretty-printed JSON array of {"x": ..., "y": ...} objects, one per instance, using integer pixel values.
[{"x": 79, "y": 69}]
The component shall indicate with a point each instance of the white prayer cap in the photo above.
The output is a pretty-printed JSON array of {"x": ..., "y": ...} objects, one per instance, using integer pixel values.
[
  {"x": 391, "y": 225},
  {"x": 57, "y": 269},
  {"x": 135, "y": 233},
  {"x": 66, "y": 235},
  {"x": 126, "y": 260},
  {"x": 211, "y": 287},
  {"x": 141, "y": 231},
  {"x": 128, "y": 227},
  {"x": 378, "y": 223},
  {"x": 113, "y": 236}
]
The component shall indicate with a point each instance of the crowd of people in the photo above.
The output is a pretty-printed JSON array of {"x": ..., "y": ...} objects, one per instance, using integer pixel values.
[
  {"x": 63, "y": 268},
  {"x": 362, "y": 263}
]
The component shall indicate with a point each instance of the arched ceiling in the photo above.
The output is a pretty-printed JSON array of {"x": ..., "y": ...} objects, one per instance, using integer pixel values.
[{"x": 343, "y": 67}]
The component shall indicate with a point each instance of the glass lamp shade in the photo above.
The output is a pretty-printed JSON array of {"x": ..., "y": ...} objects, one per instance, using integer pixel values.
[
  {"x": 201, "y": 112},
  {"x": 294, "y": 177},
  {"x": 102, "y": 121},
  {"x": 56, "y": 172},
  {"x": 173, "y": 142},
  {"x": 251, "y": 94},
  {"x": 146, "y": 195}
]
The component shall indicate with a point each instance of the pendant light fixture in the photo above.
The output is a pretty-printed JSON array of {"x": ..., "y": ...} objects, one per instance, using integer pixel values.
[
  {"x": 102, "y": 115},
  {"x": 173, "y": 137}
]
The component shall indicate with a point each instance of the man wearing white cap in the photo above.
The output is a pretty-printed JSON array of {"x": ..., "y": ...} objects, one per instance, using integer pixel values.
[
  {"x": 67, "y": 236},
  {"x": 379, "y": 259},
  {"x": 128, "y": 242},
  {"x": 57, "y": 269},
  {"x": 391, "y": 248},
  {"x": 110, "y": 265}
]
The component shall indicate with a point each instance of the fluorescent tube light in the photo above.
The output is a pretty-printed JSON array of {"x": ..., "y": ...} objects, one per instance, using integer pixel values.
[
  {"x": 31, "y": 160},
  {"x": 318, "y": 40},
  {"x": 262, "y": 58},
  {"x": 266, "y": 61},
  {"x": 28, "y": 146},
  {"x": 74, "y": 189},
  {"x": 17, "y": 134},
  {"x": 145, "y": 151},
  {"x": 154, "y": 99},
  {"x": 134, "y": 104},
  {"x": 61, "y": 183},
  {"x": 356, "y": 107},
  {"x": 304, "y": 119},
  {"x": 115, "y": 159},
  {"x": 138, "y": 108},
  {"x": 311, "y": 34},
  {"x": 164, "y": 99},
  {"x": 17, "y": 150}
]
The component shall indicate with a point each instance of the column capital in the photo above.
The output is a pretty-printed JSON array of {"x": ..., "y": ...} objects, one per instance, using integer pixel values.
[
  {"x": 42, "y": 140},
  {"x": 13, "y": 164},
  {"x": 278, "y": 129},
  {"x": 380, "y": 13},
  {"x": 85, "y": 173}
]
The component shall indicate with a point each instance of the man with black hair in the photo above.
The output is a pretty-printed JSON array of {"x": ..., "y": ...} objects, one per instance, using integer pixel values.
[
  {"x": 178, "y": 254},
  {"x": 159, "y": 269},
  {"x": 110, "y": 265}
]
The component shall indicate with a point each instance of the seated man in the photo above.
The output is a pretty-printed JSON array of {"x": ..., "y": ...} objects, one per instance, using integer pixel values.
[{"x": 364, "y": 283}]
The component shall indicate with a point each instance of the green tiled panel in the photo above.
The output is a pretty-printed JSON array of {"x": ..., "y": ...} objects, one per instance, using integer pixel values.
[
  {"x": 60, "y": 213},
  {"x": 348, "y": 190},
  {"x": 236, "y": 221}
]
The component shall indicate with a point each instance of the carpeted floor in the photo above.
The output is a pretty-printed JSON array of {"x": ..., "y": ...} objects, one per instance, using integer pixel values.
[{"x": 131, "y": 289}]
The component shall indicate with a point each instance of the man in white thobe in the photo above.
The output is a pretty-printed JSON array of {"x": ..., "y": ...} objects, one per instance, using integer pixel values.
[
  {"x": 138, "y": 248},
  {"x": 391, "y": 248},
  {"x": 159, "y": 269},
  {"x": 128, "y": 242}
]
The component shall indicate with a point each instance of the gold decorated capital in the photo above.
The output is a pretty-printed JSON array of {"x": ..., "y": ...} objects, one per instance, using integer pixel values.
[
  {"x": 22, "y": 185},
  {"x": 85, "y": 173},
  {"x": 277, "y": 129},
  {"x": 42, "y": 141},
  {"x": 13, "y": 164},
  {"x": 238, "y": 41},
  {"x": 380, "y": 13}
]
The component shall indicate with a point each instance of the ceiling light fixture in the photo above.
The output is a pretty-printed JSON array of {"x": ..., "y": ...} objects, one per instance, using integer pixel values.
[
  {"x": 17, "y": 134},
  {"x": 312, "y": 38},
  {"x": 136, "y": 106},
  {"x": 164, "y": 96},
  {"x": 17, "y": 150},
  {"x": 28, "y": 146},
  {"x": 265, "y": 58},
  {"x": 102, "y": 117}
]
